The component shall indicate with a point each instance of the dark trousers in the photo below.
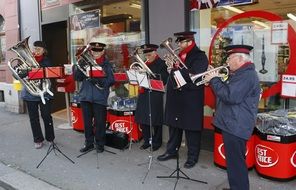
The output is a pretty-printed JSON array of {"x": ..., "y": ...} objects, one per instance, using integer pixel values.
[
  {"x": 45, "y": 110},
  {"x": 156, "y": 137},
  {"x": 94, "y": 116},
  {"x": 237, "y": 171},
  {"x": 193, "y": 139}
]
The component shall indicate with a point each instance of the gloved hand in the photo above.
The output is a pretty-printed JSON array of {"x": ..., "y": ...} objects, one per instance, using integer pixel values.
[
  {"x": 22, "y": 73},
  {"x": 96, "y": 81}
]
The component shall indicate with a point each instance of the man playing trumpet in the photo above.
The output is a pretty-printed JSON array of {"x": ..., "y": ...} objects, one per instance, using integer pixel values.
[
  {"x": 236, "y": 110},
  {"x": 151, "y": 99},
  {"x": 184, "y": 106}
]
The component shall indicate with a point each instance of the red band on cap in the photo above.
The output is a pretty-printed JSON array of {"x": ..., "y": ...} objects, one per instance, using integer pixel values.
[{"x": 239, "y": 50}]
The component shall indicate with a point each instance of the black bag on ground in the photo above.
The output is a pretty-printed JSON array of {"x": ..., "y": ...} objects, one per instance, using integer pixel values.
[{"x": 116, "y": 139}]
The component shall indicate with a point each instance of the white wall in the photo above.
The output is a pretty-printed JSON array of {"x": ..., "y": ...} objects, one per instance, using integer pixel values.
[{"x": 29, "y": 20}]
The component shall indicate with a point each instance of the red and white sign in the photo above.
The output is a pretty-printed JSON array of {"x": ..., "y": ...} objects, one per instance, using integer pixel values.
[
  {"x": 266, "y": 156},
  {"x": 122, "y": 126},
  {"x": 222, "y": 150}
]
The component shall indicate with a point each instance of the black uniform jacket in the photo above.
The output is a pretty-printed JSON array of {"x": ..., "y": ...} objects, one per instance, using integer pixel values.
[
  {"x": 184, "y": 106},
  {"x": 159, "y": 68}
]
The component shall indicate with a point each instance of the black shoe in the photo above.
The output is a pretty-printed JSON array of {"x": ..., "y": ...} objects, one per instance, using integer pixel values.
[
  {"x": 86, "y": 148},
  {"x": 166, "y": 156},
  {"x": 100, "y": 148},
  {"x": 155, "y": 148},
  {"x": 144, "y": 146},
  {"x": 189, "y": 164},
  {"x": 226, "y": 189}
]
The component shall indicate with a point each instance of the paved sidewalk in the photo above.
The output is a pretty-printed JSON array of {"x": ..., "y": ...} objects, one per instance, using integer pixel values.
[
  {"x": 13, "y": 179},
  {"x": 18, "y": 161}
]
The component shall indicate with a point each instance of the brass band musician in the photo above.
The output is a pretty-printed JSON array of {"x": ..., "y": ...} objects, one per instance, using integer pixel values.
[
  {"x": 184, "y": 106},
  {"x": 151, "y": 98},
  {"x": 93, "y": 100}
]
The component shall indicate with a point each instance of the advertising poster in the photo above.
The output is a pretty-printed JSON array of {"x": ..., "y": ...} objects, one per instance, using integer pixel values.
[
  {"x": 85, "y": 20},
  {"x": 265, "y": 56}
]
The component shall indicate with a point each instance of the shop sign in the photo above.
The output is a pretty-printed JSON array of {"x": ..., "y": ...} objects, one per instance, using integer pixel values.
[
  {"x": 288, "y": 86},
  {"x": 208, "y": 4},
  {"x": 265, "y": 156},
  {"x": 85, "y": 20},
  {"x": 121, "y": 126}
]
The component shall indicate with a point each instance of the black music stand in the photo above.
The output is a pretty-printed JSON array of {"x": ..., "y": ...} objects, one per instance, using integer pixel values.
[
  {"x": 178, "y": 171},
  {"x": 143, "y": 81},
  {"x": 53, "y": 147},
  {"x": 84, "y": 153}
]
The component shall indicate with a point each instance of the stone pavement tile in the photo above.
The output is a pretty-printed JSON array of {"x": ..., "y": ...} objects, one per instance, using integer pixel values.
[{"x": 12, "y": 179}]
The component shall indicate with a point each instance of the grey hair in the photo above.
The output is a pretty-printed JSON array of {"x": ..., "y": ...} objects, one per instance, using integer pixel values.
[{"x": 246, "y": 57}]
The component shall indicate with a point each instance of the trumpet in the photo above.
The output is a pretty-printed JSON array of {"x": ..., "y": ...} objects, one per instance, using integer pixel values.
[
  {"x": 222, "y": 70},
  {"x": 141, "y": 65},
  {"x": 172, "y": 58},
  {"x": 26, "y": 63}
]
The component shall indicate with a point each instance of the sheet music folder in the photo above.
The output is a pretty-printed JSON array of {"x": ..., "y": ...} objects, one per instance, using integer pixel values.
[{"x": 143, "y": 81}]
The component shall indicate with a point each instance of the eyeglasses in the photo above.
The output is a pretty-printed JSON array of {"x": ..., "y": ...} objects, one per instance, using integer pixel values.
[{"x": 231, "y": 56}]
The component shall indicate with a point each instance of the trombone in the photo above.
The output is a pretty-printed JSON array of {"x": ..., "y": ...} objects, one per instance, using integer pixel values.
[{"x": 222, "y": 70}]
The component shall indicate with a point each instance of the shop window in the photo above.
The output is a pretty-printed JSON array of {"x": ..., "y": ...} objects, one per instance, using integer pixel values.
[
  {"x": 2, "y": 40},
  {"x": 120, "y": 26},
  {"x": 271, "y": 52}
]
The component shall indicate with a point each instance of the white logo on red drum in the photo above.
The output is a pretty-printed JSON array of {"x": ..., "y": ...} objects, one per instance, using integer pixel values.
[
  {"x": 121, "y": 126},
  {"x": 74, "y": 118},
  {"x": 293, "y": 159},
  {"x": 222, "y": 151},
  {"x": 265, "y": 156}
]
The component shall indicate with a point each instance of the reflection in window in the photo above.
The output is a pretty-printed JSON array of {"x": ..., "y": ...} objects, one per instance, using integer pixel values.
[
  {"x": 120, "y": 27},
  {"x": 2, "y": 40}
]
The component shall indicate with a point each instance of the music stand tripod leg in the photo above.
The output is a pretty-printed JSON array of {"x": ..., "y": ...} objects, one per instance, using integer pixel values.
[
  {"x": 178, "y": 171},
  {"x": 53, "y": 147}
]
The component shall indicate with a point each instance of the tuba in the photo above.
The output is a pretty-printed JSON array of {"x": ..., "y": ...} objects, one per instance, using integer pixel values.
[
  {"x": 172, "y": 58},
  {"x": 87, "y": 57},
  {"x": 140, "y": 65},
  {"x": 222, "y": 70},
  {"x": 26, "y": 62}
]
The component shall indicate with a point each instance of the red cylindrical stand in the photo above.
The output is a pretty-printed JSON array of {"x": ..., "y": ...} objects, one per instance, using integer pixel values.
[
  {"x": 219, "y": 153},
  {"x": 77, "y": 118},
  {"x": 124, "y": 121},
  {"x": 275, "y": 156}
]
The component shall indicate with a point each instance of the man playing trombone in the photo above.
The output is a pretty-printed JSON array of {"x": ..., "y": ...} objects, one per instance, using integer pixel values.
[
  {"x": 151, "y": 99},
  {"x": 93, "y": 94},
  {"x": 236, "y": 110},
  {"x": 184, "y": 105}
]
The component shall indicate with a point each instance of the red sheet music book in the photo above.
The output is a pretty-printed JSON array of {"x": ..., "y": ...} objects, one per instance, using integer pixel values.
[
  {"x": 157, "y": 85},
  {"x": 54, "y": 72},
  {"x": 96, "y": 72},
  {"x": 120, "y": 77},
  {"x": 36, "y": 73}
]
